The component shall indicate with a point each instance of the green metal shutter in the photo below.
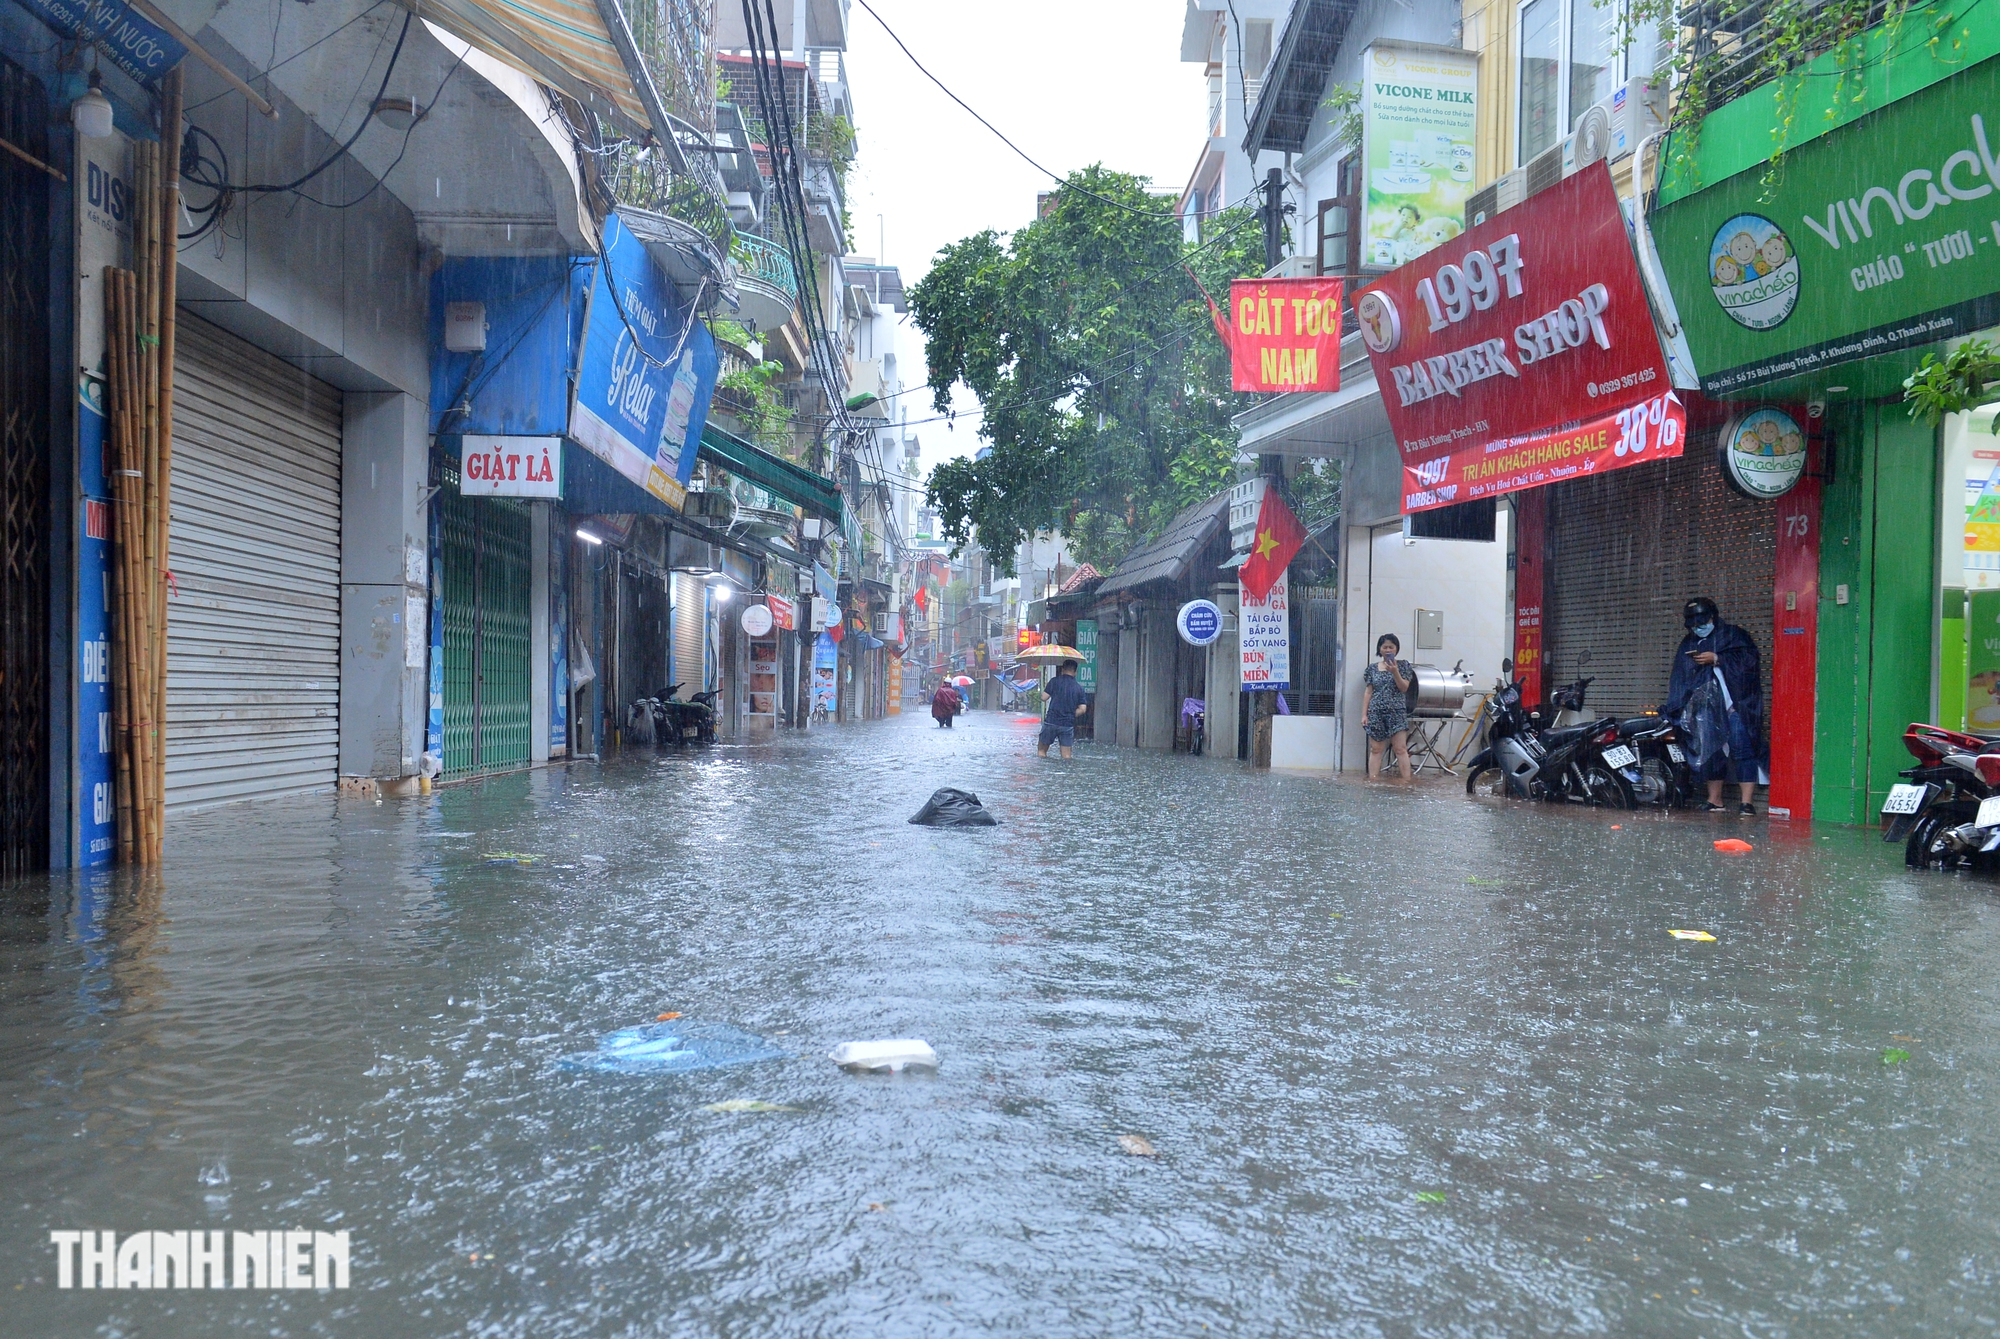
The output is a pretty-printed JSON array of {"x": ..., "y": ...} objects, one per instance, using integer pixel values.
[{"x": 484, "y": 550}]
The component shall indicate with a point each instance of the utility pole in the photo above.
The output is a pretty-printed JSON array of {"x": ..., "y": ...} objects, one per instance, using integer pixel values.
[{"x": 1274, "y": 218}]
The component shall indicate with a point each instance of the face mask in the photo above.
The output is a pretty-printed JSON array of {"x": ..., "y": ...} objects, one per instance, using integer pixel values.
[{"x": 1703, "y": 629}]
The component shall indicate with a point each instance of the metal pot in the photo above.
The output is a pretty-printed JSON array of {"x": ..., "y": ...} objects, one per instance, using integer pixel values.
[{"x": 1438, "y": 693}]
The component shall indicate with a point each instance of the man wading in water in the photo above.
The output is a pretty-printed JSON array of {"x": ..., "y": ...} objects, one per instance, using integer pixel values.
[{"x": 1067, "y": 701}]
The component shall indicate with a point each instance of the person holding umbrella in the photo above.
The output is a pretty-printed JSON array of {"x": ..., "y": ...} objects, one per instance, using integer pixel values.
[{"x": 1067, "y": 698}]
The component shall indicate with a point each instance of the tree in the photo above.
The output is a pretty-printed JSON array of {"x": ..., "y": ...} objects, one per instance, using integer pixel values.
[{"x": 1104, "y": 388}]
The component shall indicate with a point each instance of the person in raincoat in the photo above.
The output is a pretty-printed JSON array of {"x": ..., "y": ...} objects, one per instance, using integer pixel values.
[
  {"x": 944, "y": 704},
  {"x": 1715, "y": 691}
]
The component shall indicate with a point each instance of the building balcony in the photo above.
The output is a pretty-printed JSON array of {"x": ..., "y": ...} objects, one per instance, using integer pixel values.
[{"x": 767, "y": 287}]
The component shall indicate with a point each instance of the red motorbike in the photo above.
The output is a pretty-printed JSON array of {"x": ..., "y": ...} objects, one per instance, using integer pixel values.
[{"x": 1946, "y": 811}]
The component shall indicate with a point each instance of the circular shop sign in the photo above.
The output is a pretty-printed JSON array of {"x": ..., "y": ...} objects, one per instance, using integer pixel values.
[
  {"x": 1763, "y": 453},
  {"x": 1200, "y": 622},
  {"x": 1753, "y": 271},
  {"x": 756, "y": 619},
  {"x": 1381, "y": 324}
]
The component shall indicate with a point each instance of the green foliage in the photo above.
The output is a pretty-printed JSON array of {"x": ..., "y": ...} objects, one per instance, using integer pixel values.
[
  {"x": 1105, "y": 390},
  {"x": 1964, "y": 379},
  {"x": 1344, "y": 101},
  {"x": 751, "y": 395}
]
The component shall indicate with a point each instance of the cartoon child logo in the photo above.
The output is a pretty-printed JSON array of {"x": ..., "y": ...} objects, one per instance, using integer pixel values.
[
  {"x": 1754, "y": 271},
  {"x": 1764, "y": 453}
]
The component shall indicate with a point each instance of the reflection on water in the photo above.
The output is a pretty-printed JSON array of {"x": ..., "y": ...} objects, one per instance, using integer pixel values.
[{"x": 1412, "y": 1063}]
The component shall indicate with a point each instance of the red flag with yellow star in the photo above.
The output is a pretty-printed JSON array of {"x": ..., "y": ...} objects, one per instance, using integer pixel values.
[{"x": 1279, "y": 536}]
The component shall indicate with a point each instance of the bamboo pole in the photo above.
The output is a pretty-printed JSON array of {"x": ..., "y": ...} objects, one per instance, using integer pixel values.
[
  {"x": 170, "y": 214},
  {"x": 118, "y": 393}
]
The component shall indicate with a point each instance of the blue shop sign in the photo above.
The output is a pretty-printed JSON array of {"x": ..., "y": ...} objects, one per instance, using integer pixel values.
[
  {"x": 648, "y": 372},
  {"x": 135, "y": 44}
]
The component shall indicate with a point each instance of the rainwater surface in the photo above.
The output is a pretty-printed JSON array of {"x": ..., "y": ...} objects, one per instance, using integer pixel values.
[{"x": 1412, "y": 1064}]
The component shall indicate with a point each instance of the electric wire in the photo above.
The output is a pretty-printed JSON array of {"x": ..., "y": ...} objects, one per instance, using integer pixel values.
[{"x": 1019, "y": 152}]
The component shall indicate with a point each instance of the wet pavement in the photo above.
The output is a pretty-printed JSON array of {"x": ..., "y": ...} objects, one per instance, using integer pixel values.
[{"x": 1412, "y": 1064}]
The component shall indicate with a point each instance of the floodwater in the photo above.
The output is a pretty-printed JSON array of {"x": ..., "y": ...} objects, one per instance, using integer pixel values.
[{"x": 1413, "y": 1064}]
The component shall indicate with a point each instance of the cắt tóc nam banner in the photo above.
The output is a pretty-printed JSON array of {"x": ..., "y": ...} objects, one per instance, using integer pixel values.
[
  {"x": 647, "y": 374},
  {"x": 1284, "y": 334}
]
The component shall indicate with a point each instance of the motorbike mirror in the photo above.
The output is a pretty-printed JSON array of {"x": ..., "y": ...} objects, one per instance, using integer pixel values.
[
  {"x": 1506, "y": 664},
  {"x": 1582, "y": 659}
]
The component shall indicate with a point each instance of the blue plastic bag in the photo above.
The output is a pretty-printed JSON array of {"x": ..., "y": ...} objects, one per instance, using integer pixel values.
[{"x": 672, "y": 1048}]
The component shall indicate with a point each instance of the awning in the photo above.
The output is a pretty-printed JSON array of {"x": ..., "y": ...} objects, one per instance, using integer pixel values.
[
  {"x": 774, "y": 474},
  {"x": 560, "y": 42},
  {"x": 1169, "y": 557}
]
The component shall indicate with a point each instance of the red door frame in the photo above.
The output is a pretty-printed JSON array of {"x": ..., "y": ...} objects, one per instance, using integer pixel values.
[
  {"x": 1795, "y": 638},
  {"x": 1531, "y": 511}
]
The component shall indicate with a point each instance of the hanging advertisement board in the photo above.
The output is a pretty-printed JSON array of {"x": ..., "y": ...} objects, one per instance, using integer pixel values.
[
  {"x": 1264, "y": 636},
  {"x": 1417, "y": 107},
  {"x": 1086, "y": 642},
  {"x": 647, "y": 373},
  {"x": 1284, "y": 334},
  {"x": 1875, "y": 240},
  {"x": 826, "y": 666},
  {"x": 1526, "y": 342},
  {"x": 510, "y": 466}
]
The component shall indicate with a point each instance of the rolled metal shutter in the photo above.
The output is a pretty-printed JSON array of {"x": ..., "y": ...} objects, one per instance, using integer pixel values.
[
  {"x": 1626, "y": 550},
  {"x": 253, "y": 627},
  {"x": 690, "y": 641}
]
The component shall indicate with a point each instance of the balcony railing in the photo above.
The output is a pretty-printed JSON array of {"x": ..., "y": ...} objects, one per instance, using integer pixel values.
[
  {"x": 1740, "y": 44},
  {"x": 763, "y": 259}
]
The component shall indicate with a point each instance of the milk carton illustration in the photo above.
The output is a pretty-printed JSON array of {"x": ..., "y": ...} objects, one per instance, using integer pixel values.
[{"x": 680, "y": 408}]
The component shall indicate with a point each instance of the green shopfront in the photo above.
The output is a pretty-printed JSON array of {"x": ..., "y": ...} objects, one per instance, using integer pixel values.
[{"x": 1813, "y": 286}]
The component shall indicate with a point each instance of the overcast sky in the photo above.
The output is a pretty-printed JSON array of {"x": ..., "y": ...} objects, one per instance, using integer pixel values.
[{"x": 1072, "y": 82}]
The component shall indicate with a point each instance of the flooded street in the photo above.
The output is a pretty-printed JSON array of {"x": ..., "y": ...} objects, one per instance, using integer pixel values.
[{"x": 1412, "y": 1064}]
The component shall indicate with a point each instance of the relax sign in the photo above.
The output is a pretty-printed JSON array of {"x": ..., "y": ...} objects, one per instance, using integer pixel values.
[{"x": 1878, "y": 238}]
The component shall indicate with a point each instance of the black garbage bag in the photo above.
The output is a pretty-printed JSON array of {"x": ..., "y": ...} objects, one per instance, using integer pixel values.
[{"x": 950, "y": 808}]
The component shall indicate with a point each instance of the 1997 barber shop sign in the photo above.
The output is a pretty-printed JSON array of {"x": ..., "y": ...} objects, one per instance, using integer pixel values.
[{"x": 1522, "y": 352}]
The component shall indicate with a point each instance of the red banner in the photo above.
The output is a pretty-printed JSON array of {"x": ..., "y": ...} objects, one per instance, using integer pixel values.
[
  {"x": 1654, "y": 429},
  {"x": 1534, "y": 319},
  {"x": 1284, "y": 334},
  {"x": 782, "y": 614}
]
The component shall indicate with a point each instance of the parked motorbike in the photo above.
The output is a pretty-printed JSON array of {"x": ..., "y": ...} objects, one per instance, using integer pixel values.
[
  {"x": 1647, "y": 751},
  {"x": 1566, "y": 763},
  {"x": 1946, "y": 811},
  {"x": 678, "y": 721}
]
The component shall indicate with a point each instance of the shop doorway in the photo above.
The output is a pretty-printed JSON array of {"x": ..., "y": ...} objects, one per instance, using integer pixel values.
[
  {"x": 24, "y": 478},
  {"x": 484, "y": 549}
]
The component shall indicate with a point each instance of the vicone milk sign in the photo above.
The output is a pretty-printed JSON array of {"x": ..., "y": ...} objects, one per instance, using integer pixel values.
[{"x": 1511, "y": 338}]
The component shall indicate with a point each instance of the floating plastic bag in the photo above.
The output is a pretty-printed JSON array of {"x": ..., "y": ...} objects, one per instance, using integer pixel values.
[
  {"x": 875, "y": 1057},
  {"x": 949, "y": 808},
  {"x": 1734, "y": 846},
  {"x": 672, "y": 1048},
  {"x": 1699, "y": 936}
]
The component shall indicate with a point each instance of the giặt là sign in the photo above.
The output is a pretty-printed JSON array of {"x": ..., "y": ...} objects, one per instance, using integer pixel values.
[{"x": 1874, "y": 239}]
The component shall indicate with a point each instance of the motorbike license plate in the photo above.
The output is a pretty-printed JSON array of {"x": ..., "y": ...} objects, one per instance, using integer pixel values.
[
  {"x": 1674, "y": 752},
  {"x": 1620, "y": 756},
  {"x": 1903, "y": 799},
  {"x": 1989, "y": 812}
]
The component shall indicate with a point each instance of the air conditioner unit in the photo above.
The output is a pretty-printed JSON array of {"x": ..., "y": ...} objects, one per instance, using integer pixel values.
[
  {"x": 881, "y": 625},
  {"x": 1612, "y": 130},
  {"x": 1503, "y": 194},
  {"x": 714, "y": 506}
]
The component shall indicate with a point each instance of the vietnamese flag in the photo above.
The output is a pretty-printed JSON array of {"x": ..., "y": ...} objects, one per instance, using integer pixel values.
[
  {"x": 922, "y": 599},
  {"x": 1279, "y": 536}
]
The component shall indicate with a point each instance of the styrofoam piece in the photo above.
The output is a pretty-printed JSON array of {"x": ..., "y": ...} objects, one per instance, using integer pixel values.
[{"x": 894, "y": 1056}]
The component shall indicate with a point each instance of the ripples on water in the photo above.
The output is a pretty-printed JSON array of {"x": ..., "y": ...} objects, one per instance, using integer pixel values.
[{"x": 1319, "y": 1000}]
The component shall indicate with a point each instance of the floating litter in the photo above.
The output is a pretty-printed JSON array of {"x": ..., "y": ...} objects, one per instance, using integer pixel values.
[
  {"x": 953, "y": 808},
  {"x": 1702, "y": 935},
  {"x": 1138, "y": 1146},
  {"x": 1895, "y": 1055},
  {"x": 736, "y": 1104},
  {"x": 676, "y": 1048},
  {"x": 875, "y": 1057},
  {"x": 1734, "y": 845},
  {"x": 667, "y": 1018},
  {"x": 1431, "y": 1197},
  {"x": 511, "y": 858}
]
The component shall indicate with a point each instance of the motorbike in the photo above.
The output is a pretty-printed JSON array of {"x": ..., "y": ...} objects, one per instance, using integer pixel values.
[
  {"x": 678, "y": 721},
  {"x": 1946, "y": 810},
  {"x": 1566, "y": 763}
]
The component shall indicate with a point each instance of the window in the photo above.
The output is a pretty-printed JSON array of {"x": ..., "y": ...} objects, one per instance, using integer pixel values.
[
  {"x": 1570, "y": 58},
  {"x": 1256, "y": 56},
  {"x": 1337, "y": 252}
]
